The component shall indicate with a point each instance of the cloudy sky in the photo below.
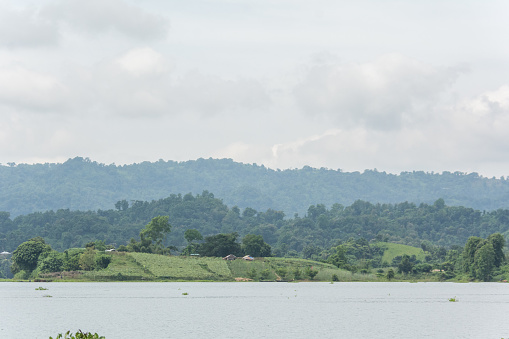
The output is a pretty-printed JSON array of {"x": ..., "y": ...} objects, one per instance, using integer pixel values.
[{"x": 393, "y": 85}]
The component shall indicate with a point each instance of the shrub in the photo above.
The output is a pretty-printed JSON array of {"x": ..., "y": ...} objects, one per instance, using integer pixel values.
[
  {"x": 53, "y": 262},
  {"x": 78, "y": 335},
  {"x": 311, "y": 273},
  {"x": 21, "y": 275},
  {"x": 264, "y": 275},
  {"x": 297, "y": 274},
  {"x": 102, "y": 261},
  {"x": 87, "y": 260},
  {"x": 252, "y": 274}
]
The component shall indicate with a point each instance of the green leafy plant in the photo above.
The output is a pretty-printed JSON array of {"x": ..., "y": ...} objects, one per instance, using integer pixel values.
[
  {"x": 41, "y": 289},
  {"x": 78, "y": 335},
  {"x": 453, "y": 300}
]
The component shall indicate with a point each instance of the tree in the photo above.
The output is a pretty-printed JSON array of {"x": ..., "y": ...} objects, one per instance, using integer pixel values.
[
  {"x": 405, "y": 266},
  {"x": 498, "y": 242},
  {"x": 390, "y": 274},
  {"x": 72, "y": 259},
  {"x": 54, "y": 262},
  {"x": 220, "y": 245},
  {"x": 339, "y": 257},
  {"x": 192, "y": 235},
  {"x": 87, "y": 260},
  {"x": 122, "y": 205},
  {"x": 156, "y": 229},
  {"x": 473, "y": 243},
  {"x": 27, "y": 254},
  {"x": 255, "y": 246},
  {"x": 484, "y": 261},
  {"x": 311, "y": 273}
]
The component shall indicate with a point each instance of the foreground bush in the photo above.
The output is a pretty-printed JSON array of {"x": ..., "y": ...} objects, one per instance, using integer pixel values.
[{"x": 78, "y": 335}]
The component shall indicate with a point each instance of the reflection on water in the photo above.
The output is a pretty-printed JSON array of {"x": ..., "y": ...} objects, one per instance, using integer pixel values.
[{"x": 256, "y": 310}]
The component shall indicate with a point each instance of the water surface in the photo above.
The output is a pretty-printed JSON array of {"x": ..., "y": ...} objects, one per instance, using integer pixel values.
[{"x": 256, "y": 310}]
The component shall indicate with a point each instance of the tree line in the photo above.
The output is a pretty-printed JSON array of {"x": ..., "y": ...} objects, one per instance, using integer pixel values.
[
  {"x": 320, "y": 228},
  {"x": 480, "y": 259},
  {"x": 82, "y": 184}
]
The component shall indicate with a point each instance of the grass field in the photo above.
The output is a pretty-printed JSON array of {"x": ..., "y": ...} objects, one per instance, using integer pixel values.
[
  {"x": 394, "y": 250},
  {"x": 144, "y": 266},
  {"x": 245, "y": 269},
  {"x": 183, "y": 268},
  {"x": 122, "y": 267}
]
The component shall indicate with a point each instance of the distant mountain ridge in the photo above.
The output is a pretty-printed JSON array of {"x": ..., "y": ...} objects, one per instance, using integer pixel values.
[{"x": 82, "y": 184}]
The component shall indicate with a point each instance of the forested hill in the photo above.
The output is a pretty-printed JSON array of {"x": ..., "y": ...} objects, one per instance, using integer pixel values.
[
  {"x": 81, "y": 184},
  {"x": 320, "y": 228}
]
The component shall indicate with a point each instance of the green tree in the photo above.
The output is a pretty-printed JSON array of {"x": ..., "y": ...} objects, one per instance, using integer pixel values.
[
  {"x": 498, "y": 242},
  {"x": 192, "y": 235},
  {"x": 405, "y": 266},
  {"x": 472, "y": 245},
  {"x": 255, "y": 246},
  {"x": 484, "y": 262},
  {"x": 87, "y": 260},
  {"x": 102, "y": 261},
  {"x": 72, "y": 259},
  {"x": 338, "y": 258},
  {"x": 311, "y": 273},
  {"x": 156, "y": 229},
  {"x": 26, "y": 256},
  {"x": 390, "y": 274},
  {"x": 122, "y": 205},
  {"x": 220, "y": 245},
  {"x": 54, "y": 262}
]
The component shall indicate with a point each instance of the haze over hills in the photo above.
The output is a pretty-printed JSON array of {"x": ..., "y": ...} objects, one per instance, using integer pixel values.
[{"x": 82, "y": 184}]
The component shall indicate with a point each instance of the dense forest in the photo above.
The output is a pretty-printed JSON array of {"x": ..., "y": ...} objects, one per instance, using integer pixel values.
[
  {"x": 82, "y": 184},
  {"x": 320, "y": 227}
]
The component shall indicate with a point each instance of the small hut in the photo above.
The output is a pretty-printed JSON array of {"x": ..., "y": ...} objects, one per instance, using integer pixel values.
[{"x": 230, "y": 257}]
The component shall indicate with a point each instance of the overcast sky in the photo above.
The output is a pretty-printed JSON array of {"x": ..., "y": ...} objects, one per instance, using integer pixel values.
[{"x": 392, "y": 85}]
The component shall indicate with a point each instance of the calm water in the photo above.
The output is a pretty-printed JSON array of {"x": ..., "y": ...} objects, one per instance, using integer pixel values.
[{"x": 256, "y": 310}]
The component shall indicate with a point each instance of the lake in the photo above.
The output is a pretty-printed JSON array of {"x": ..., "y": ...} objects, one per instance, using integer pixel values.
[{"x": 256, "y": 310}]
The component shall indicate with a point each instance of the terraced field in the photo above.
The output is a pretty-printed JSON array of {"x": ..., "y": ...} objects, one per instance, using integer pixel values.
[
  {"x": 145, "y": 266},
  {"x": 183, "y": 268}
]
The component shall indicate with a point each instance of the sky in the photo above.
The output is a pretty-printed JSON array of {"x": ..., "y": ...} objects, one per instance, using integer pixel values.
[{"x": 389, "y": 85}]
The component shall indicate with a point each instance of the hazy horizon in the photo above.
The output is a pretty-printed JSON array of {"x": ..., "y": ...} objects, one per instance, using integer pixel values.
[{"x": 396, "y": 86}]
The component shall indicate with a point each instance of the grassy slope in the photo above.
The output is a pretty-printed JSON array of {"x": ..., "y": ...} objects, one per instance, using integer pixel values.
[
  {"x": 143, "y": 266},
  {"x": 394, "y": 250}
]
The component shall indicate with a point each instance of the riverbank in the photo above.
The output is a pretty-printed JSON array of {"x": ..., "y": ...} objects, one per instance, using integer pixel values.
[{"x": 126, "y": 266}]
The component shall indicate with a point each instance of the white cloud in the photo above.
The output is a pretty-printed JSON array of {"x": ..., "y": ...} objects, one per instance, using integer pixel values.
[
  {"x": 143, "y": 61},
  {"x": 469, "y": 136},
  {"x": 385, "y": 94},
  {"x": 140, "y": 82},
  {"x": 30, "y": 90},
  {"x": 25, "y": 28},
  {"x": 98, "y": 16}
]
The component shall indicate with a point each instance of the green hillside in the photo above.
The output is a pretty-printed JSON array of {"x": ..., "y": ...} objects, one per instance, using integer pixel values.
[
  {"x": 154, "y": 267},
  {"x": 397, "y": 250},
  {"x": 82, "y": 184}
]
